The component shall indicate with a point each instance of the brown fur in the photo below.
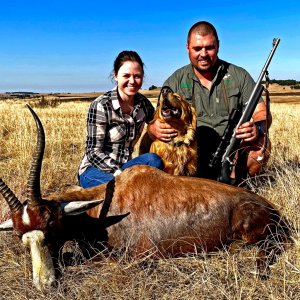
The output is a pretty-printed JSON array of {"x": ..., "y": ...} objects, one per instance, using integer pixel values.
[
  {"x": 180, "y": 155},
  {"x": 174, "y": 215}
]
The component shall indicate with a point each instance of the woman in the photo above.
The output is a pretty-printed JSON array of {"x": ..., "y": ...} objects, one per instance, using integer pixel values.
[{"x": 115, "y": 122}]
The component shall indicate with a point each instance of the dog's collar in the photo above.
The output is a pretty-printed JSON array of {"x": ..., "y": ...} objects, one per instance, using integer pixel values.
[{"x": 177, "y": 144}]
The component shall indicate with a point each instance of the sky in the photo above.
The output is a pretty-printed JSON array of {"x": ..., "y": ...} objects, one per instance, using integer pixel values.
[{"x": 70, "y": 46}]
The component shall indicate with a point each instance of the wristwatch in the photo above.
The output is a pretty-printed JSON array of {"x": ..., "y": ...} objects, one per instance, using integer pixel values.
[{"x": 261, "y": 127}]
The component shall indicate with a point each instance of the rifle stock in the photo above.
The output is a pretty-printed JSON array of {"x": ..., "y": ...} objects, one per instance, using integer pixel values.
[{"x": 223, "y": 158}]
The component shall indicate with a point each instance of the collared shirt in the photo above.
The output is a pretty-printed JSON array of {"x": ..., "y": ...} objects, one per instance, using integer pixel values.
[
  {"x": 112, "y": 134},
  {"x": 231, "y": 88}
]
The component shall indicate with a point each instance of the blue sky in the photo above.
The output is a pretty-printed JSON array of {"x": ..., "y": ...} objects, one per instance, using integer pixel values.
[{"x": 70, "y": 46}]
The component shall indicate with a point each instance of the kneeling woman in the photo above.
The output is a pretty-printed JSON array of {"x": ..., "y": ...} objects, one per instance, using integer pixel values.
[{"x": 115, "y": 122}]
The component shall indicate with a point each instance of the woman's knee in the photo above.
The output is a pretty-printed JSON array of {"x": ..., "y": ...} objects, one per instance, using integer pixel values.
[
  {"x": 154, "y": 160},
  {"x": 150, "y": 159},
  {"x": 93, "y": 177}
]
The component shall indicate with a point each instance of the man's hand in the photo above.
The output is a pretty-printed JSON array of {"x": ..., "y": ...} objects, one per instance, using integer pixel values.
[
  {"x": 247, "y": 131},
  {"x": 161, "y": 131}
]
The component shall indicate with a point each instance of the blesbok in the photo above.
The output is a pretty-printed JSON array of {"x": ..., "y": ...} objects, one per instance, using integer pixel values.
[{"x": 151, "y": 212}]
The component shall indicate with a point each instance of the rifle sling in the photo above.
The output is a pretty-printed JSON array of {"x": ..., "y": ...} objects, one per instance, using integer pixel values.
[{"x": 266, "y": 139}]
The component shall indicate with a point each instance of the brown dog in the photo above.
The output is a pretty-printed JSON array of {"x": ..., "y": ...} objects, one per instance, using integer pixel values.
[{"x": 180, "y": 155}]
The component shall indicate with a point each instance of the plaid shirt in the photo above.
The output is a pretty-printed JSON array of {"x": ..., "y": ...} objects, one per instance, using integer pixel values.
[{"x": 111, "y": 135}]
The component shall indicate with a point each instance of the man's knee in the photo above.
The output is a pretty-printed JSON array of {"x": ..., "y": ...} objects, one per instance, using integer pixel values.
[
  {"x": 256, "y": 157},
  {"x": 154, "y": 160},
  {"x": 256, "y": 162}
]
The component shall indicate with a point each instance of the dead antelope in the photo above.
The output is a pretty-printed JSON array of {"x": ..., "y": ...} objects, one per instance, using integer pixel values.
[{"x": 151, "y": 212}]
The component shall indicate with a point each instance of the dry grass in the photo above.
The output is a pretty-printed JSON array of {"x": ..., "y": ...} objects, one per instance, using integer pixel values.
[{"x": 222, "y": 275}]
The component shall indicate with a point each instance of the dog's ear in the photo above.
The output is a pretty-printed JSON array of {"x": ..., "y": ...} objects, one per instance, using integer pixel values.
[
  {"x": 179, "y": 97},
  {"x": 189, "y": 112}
]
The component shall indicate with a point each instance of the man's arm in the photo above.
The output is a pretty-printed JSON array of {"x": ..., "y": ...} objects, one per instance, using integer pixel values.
[{"x": 250, "y": 131}]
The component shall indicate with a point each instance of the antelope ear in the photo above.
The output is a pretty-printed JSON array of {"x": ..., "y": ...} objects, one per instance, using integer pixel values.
[
  {"x": 7, "y": 225},
  {"x": 78, "y": 207},
  {"x": 112, "y": 220}
]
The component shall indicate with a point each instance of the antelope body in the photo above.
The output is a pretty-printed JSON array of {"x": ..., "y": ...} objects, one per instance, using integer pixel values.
[{"x": 151, "y": 212}]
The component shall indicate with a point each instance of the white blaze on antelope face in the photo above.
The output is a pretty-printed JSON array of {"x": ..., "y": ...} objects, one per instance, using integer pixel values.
[
  {"x": 25, "y": 216},
  {"x": 42, "y": 265}
]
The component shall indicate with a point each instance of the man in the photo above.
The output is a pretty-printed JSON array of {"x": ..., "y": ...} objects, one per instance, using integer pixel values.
[{"x": 215, "y": 87}]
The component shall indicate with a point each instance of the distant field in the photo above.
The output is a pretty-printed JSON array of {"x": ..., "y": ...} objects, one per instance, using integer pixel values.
[
  {"x": 89, "y": 96},
  {"x": 278, "y": 93},
  {"x": 284, "y": 94}
]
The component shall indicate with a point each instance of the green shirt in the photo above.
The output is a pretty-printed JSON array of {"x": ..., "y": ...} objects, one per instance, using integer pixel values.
[{"x": 231, "y": 82}]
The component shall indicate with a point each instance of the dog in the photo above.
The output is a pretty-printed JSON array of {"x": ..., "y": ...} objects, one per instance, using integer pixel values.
[{"x": 179, "y": 155}]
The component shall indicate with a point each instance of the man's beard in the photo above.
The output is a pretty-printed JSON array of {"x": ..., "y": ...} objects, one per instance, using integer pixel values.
[
  {"x": 210, "y": 68},
  {"x": 206, "y": 69}
]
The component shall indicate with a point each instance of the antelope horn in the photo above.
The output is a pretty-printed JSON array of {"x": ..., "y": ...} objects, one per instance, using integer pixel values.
[
  {"x": 33, "y": 184},
  {"x": 14, "y": 204}
]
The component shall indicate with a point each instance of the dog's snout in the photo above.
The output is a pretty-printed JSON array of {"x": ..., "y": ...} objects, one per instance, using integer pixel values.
[
  {"x": 164, "y": 95},
  {"x": 165, "y": 91},
  {"x": 166, "y": 102}
]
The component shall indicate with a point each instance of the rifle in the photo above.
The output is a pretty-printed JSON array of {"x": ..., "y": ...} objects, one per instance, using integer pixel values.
[{"x": 223, "y": 158}]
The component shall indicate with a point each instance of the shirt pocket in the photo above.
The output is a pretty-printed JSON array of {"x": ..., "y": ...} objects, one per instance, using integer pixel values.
[
  {"x": 117, "y": 132},
  {"x": 140, "y": 117},
  {"x": 234, "y": 96}
]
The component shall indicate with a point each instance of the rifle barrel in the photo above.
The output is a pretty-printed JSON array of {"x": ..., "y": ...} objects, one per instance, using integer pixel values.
[
  {"x": 251, "y": 104},
  {"x": 229, "y": 136},
  {"x": 257, "y": 88}
]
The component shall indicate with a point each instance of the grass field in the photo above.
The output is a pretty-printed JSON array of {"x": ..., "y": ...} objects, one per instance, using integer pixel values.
[{"x": 221, "y": 275}]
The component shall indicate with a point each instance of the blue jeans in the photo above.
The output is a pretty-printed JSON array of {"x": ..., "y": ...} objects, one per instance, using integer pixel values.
[{"x": 93, "y": 176}]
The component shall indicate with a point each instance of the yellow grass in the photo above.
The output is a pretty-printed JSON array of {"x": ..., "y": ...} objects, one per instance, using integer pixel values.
[{"x": 222, "y": 275}]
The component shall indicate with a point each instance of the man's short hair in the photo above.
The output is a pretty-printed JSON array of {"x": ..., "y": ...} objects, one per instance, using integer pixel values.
[{"x": 203, "y": 28}]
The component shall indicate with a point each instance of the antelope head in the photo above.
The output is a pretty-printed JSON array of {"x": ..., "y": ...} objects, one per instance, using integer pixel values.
[{"x": 37, "y": 221}]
